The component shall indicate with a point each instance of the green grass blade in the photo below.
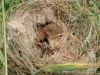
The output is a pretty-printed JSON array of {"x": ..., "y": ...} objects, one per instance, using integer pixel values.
[
  {"x": 96, "y": 18},
  {"x": 87, "y": 1},
  {"x": 18, "y": 1},
  {"x": 95, "y": 8},
  {"x": 96, "y": 3},
  {"x": 80, "y": 7},
  {"x": 4, "y": 28},
  {"x": 82, "y": 10},
  {"x": 65, "y": 67},
  {"x": 7, "y": 3}
]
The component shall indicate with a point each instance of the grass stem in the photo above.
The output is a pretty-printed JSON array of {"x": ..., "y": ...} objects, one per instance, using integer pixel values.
[{"x": 4, "y": 30}]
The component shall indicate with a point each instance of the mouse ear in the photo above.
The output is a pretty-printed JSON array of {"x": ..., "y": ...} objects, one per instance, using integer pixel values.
[{"x": 45, "y": 29}]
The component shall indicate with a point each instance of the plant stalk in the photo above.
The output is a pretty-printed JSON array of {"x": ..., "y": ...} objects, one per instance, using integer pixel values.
[{"x": 4, "y": 31}]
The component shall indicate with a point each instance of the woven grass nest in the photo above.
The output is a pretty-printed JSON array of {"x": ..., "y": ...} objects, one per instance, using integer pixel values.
[{"x": 23, "y": 41}]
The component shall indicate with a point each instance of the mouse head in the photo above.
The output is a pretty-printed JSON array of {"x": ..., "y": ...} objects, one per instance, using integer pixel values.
[{"x": 53, "y": 30}]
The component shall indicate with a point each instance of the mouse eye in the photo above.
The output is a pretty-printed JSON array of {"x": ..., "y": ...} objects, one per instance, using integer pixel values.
[{"x": 50, "y": 30}]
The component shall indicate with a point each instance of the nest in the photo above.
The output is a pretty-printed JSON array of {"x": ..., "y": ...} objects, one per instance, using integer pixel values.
[{"x": 27, "y": 53}]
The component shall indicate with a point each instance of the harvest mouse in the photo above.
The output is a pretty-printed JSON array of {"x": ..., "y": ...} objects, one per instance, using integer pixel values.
[{"x": 53, "y": 32}]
